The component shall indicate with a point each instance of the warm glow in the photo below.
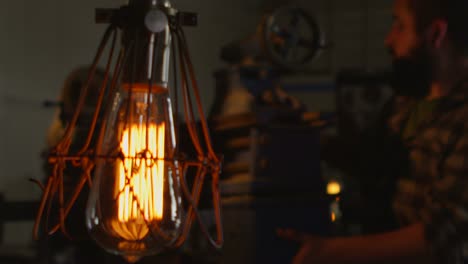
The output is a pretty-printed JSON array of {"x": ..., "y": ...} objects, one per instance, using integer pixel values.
[
  {"x": 333, "y": 188},
  {"x": 141, "y": 199}
]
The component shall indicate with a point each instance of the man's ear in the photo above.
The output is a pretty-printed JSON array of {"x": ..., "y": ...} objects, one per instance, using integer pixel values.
[{"x": 438, "y": 32}]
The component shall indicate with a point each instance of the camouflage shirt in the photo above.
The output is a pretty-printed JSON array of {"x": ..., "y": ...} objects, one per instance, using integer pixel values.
[{"x": 435, "y": 191}]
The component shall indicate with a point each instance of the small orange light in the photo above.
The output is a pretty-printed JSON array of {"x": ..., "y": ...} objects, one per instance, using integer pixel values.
[{"x": 333, "y": 188}]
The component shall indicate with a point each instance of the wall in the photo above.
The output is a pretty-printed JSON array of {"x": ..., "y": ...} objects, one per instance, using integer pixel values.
[{"x": 44, "y": 40}]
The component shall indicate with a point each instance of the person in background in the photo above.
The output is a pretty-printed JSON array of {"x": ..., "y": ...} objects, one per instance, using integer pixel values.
[
  {"x": 79, "y": 248},
  {"x": 429, "y": 45}
]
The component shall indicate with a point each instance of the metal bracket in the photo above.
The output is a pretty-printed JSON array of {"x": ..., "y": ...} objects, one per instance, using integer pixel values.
[{"x": 106, "y": 15}]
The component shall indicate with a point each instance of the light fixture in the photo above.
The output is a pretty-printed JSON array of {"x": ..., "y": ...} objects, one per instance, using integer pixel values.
[{"x": 133, "y": 160}]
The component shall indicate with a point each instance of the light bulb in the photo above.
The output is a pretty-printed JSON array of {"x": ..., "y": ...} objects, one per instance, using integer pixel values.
[
  {"x": 333, "y": 188},
  {"x": 134, "y": 208}
]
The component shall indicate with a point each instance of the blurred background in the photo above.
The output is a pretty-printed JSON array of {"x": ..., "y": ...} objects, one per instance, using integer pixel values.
[{"x": 42, "y": 42}]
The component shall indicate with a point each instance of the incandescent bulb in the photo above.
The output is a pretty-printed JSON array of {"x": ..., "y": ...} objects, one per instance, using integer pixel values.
[{"x": 134, "y": 208}]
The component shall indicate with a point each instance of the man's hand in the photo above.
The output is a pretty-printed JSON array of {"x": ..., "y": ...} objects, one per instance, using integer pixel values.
[{"x": 313, "y": 248}]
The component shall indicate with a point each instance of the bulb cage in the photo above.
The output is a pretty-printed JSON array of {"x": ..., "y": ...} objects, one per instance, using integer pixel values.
[{"x": 206, "y": 164}]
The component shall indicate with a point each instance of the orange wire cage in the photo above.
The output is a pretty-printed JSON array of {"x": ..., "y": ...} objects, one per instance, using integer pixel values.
[{"x": 131, "y": 155}]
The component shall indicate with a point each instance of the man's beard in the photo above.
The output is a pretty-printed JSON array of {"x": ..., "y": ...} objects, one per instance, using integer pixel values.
[{"x": 412, "y": 75}]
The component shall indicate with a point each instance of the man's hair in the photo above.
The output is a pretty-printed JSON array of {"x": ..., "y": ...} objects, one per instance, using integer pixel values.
[{"x": 455, "y": 12}]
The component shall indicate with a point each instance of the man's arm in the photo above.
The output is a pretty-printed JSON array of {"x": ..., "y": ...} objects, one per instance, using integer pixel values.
[{"x": 400, "y": 246}]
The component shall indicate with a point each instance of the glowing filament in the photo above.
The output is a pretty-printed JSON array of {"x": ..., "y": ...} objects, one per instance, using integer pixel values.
[{"x": 140, "y": 183}]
